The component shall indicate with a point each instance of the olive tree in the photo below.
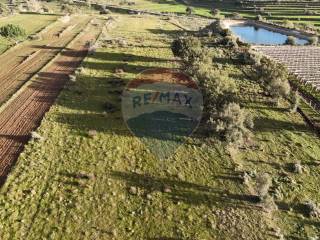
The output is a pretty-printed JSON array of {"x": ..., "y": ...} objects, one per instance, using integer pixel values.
[
  {"x": 274, "y": 77},
  {"x": 234, "y": 124}
]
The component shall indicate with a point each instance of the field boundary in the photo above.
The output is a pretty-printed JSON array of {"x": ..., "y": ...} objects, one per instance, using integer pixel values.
[
  {"x": 40, "y": 31},
  {"x": 30, "y": 80}
]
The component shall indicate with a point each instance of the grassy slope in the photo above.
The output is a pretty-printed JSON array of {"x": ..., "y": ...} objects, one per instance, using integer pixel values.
[
  {"x": 32, "y": 23},
  {"x": 76, "y": 187}
]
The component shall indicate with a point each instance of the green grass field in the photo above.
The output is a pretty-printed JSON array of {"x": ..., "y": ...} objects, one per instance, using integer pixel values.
[
  {"x": 76, "y": 186},
  {"x": 32, "y": 23}
]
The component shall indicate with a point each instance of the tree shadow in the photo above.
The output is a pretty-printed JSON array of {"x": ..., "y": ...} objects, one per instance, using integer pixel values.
[
  {"x": 126, "y": 57},
  {"x": 187, "y": 192},
  {"x": 49, "y": 47},
  {"x": 126, "y": 67},
  {"x": 264, "y": 124},
  {"x": 170, "y": 33}
]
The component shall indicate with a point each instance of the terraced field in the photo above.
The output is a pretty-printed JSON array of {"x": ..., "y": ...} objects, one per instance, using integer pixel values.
[
  {"x": 25, "y": 110},
  {"x": 28, "y": 58},
  {"x": 303, "y": 61},
  {"x": 271, "y": 10},
  {"x": 26, "y": 93}
]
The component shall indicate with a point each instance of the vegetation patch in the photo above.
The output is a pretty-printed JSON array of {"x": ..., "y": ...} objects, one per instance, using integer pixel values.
[{"x": 12, "y": 31}]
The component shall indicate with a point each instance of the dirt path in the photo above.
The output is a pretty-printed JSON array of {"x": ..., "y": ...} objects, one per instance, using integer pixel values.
[
  {"x": 25, "y": 60},
  {"x": 25, "y": 112}
]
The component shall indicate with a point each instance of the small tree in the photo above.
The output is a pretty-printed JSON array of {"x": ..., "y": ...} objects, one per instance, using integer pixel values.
[
  {"x": 189, "y": 10},
  {"x": 33, "y": 5},
  {"x": 215, "y": 12},
  {"x": 295, "y": 101},
  {"x": 263, "y": 184},
  {"x": 4, "y": 10},
  {"x": 230, "y": 41},
  {"x": 274, "y": 78},
  {"x": 313, "y": 41},
  {"x": 189, "y": 49},
  {"x": 234, "y": 124},
  {"x": 251, "y": 57},
  {"x": 259, "y": 18}
]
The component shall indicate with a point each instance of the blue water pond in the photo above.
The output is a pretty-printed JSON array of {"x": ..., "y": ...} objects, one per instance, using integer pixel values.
[{"x": 261, "y": 36}]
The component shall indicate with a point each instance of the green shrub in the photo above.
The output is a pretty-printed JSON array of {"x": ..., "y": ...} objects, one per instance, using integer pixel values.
[
  {"x": 259, "y": 18},
  {"x": 274, "y": 77},
  {"x": 313, "y": 41},
  {"x": 12, "y": 31},
  {"x": 191, "y": 52},
  {"x": 288, "y": 24},
  {"x": 236, "y": 16},
  {"x": 68, "y": 9},
  {"x": 189, "y": 10},
  {"x": 250, "y": 57},
  {"x": 230, "y": 41},
  {"x": 215, "y": 12},
  {"x": 263, "y": 184},
  {"x": 186, "y": 47},
  {"x": 4, "y": 10},
  {"x": 218, "y": 88},
  {"x": 291, "y": 41},
  {"x": 234, "y": 124},
  {"x": 295, "y": 101}
]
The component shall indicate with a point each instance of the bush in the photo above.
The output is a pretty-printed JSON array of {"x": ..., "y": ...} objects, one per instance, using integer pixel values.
[
  {"x": 290, "y": 41},
  {"x": 313, "y": 41},
  {"x": 288, "y": 24},
  {"x": 189, "y": 10},
  {"x": 236, "y": 16},
  {"x": 295, "y": 101},
  {"x": 12, "y": 31},
  {"x": 234, "y": 124},
  {"x": 33, "y": 5},
  {"x": 230, "y": 41},
  {"x": 67, "y": 9},
  {"x": 274, "y": 77},
  {"x": 218, "y": 88},
  {"x": 263, "y": 184},
  {"x": 259, "y": 18},
  {"x": 186, "y": 47},
  {"x": 250, "y": 57},
  {"x": 215, "y": 12},
  {"x": 4, "y": 10},
  {"x": 311, "y": 209},
  {"x": 217, "y": 28}
]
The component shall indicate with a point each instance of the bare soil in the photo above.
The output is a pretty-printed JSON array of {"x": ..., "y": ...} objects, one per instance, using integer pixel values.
[{"x": 24, "y": 113}]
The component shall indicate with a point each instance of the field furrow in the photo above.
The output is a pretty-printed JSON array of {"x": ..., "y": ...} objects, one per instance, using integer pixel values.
[{"x": 24, "y": 113}]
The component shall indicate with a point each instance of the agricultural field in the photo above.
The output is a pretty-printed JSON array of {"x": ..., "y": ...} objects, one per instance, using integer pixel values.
[
  {"x": 74, "y": 167},
  {"x": 303, "y": 13},
  {"x": 90, "y": 178},
  {"x": 32, "y": 23}
]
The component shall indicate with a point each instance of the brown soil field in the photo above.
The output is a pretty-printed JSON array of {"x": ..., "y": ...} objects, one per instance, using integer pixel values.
[
  {"x": 24, "y": 112},
  {"x": 303, "y": 61},
  {"x": 22, "y": 62}
]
